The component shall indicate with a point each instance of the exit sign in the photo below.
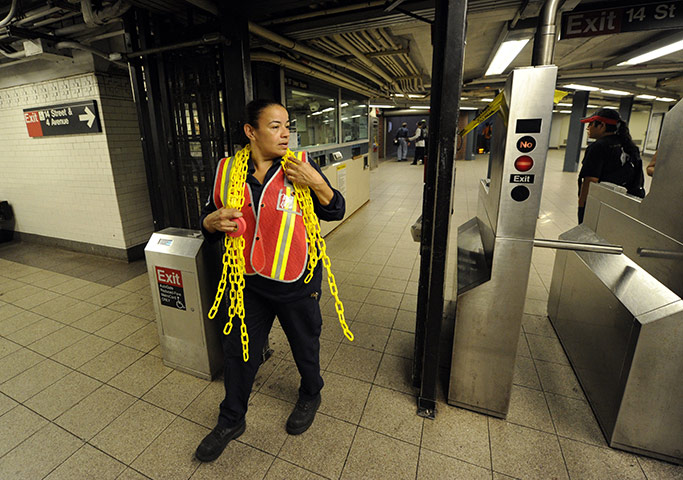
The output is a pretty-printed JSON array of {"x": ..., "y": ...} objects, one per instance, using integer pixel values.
[
  {"x": 626, "y": 18},
  {"x": 65, "y": 119}
]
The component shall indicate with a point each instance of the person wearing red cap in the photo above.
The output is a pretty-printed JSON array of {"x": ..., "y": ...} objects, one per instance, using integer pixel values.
[{"x": 613, "y": 157}]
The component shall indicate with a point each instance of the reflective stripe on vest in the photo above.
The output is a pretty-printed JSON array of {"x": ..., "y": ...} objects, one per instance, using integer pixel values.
[{"x": 275, "y": 239}]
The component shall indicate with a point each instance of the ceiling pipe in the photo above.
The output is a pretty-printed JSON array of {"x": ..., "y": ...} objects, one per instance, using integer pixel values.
[
  {"x": 366, "y": 61},
  {"x": 10, "y": 15},
  {"x": 283, "y": 62},
  {"x": 206, "y": 5},
  {"x": 292, "y": 45},
  {"x": 19, "y": 54},
  {"x": 95, "y": 18},
  {"x": 329, "y": 11},
  {"x": 207, "y": 39},
  {"x": 112, "y": 57},
  {"x": 544, "y": 41}
]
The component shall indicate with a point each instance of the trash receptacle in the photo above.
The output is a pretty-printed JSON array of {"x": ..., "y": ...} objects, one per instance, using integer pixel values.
[
  {"x": 6, "y": 222},
  {"x": 183, "y": 271}
]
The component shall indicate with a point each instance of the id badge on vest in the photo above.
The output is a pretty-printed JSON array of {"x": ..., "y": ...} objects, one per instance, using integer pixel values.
[{"x": 286, "y": 201}]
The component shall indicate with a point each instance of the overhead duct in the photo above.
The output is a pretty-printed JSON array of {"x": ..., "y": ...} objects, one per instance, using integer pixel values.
[
  {"x": 292, "y": 45},
  {"x": 544, "y": 41},
  {"x": 297, "y": 67}
]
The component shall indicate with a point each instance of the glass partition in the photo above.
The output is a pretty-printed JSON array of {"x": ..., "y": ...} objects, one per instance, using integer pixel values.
[
  {"x": 354, "y": 118},
  {"x": 312, "y": 114}
]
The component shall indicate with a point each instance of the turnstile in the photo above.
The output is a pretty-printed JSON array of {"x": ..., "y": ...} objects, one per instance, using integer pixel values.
[
  {"x": 183, "y": 273},
  {"x": 494, "y": 248},
  {"x": 620, "y": 318}
]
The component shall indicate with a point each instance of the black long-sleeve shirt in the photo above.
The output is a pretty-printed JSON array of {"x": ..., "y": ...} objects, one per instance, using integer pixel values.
[{"x": 269, "y": 288}]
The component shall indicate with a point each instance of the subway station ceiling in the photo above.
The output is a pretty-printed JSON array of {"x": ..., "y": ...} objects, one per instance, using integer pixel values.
[{"x": 383, "y": 48}]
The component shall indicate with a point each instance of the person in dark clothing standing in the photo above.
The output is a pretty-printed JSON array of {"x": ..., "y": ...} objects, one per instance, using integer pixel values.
[
  {"x": 279, "y": 278},
  {"x": 613, "y": 157},
  {"x": 402, "y": 142}
]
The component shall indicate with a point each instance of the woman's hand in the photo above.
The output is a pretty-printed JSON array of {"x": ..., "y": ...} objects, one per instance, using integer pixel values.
[
  {"x": 221, "y": 220},
  {"x": 304, "y": 174}
]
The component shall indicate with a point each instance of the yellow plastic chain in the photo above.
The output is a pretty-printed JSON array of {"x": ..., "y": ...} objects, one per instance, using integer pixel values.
[
  {"x": 234, "y": 255},
  {"x": 234, "y": 251},
  {"x": 316, "y": 245}
]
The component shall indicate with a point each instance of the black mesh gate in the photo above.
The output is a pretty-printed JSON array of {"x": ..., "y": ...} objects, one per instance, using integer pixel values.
[
  {"x": 195, "y": 90},
  {"x": 190, "y": 93}
]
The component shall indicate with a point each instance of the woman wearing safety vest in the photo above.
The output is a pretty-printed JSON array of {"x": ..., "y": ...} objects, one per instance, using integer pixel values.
[{"x": 266, "y": 202}]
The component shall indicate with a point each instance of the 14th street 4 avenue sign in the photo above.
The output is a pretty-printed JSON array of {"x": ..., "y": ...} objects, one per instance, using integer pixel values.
[{"x": 66, "y": 119}]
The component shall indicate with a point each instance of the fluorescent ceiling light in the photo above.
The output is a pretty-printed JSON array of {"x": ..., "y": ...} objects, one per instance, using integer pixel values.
[
  {"x": 464, "y": 98},
  {"x": 328, "y": 109},
  {"x": 486, "y": 99},
  {"x": 345, "y": 118},
  {"x": 615, "y": 92},
  {"x": 564, "y": 104},
  {"x": 420, "y": 107},
  {"x": 592, "y": 106},
  {"x": 344, "y": 104},
  {"x": 659, "y": 52},
  {"x": 665, "y": 99},
  {"x": 581, "y": 87},
  {"x": 410, "y": 95},
  {"x": 355, "y": 116},
  {"x": 317, "y": 113},
  {"x": 381, "y": 106},
  {"x": 469, "y": 108},
  {"x": 611, "y": 107},
  {"x": 398, "y": 95},
  {"x": 565, "y": 111},
  {"x": 505, "y": 55},
  {"x": 646, "y": 97}
]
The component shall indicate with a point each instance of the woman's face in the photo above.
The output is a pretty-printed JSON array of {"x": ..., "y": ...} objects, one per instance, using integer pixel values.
[
  {"x": 271, "y": 137},
  {"x": 595, "y": 129}
]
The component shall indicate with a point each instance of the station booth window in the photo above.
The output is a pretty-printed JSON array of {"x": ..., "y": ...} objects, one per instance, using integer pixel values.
[
  {"x": 313, "y": 114},
  {"x": 354, "y": 118}
]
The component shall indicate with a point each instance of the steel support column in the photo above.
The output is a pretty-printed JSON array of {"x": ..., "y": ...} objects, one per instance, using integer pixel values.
[
  {"x": 447, "y": 74},
  {"x": 575, "y": 135},
  {"x": 236, "y": 68},
  {"x": 471, "y": 147},
  {"x": 625, "y": 106}
]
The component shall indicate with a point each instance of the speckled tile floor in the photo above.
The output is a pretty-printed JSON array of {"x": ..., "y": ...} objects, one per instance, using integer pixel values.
[{"x": 84, "y": 393}]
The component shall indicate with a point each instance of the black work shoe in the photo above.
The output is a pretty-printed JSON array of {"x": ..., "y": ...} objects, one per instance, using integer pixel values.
[
  {"x": 215, "y": 442},
  {"x": 302, "y": 416}
]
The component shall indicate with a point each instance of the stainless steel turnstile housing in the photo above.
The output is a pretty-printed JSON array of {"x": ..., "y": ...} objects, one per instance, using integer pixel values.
[
  {"x": 620, "y": 317},
  {"x": 183, "y": 275},
  {"x": 494, "y": 249}
]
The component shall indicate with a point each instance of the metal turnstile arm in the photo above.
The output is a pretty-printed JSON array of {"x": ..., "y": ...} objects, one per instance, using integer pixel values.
[
  {"x": 656, "y": 253},
  {"x": 579, "y": 246}
]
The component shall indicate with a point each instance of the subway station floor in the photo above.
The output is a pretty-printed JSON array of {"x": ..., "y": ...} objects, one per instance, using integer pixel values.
[{"x": 84, "y": 393}]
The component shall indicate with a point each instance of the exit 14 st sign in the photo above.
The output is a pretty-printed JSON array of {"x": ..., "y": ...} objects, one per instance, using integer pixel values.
[{"x": 625, "y": 18}]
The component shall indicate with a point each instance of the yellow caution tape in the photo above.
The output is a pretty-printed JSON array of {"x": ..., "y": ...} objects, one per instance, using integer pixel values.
[{"x": 495, "y": 105}]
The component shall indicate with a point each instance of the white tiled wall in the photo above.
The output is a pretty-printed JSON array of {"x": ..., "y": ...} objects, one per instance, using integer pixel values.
[{"x": 87, "y": 188}]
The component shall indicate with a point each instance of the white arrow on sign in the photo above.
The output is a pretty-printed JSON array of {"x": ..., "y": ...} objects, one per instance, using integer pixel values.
[{"x": 88, "y": 116}]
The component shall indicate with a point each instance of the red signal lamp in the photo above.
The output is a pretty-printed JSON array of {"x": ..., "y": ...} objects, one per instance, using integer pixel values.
[{"x": 524, "y": 163}]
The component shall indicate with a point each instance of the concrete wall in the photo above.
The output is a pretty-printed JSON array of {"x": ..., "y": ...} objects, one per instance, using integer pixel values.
[{"x": 89, "y": 191}]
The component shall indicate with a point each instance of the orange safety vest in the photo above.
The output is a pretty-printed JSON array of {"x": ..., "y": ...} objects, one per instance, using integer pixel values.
[{"x": 275, "y": 238}]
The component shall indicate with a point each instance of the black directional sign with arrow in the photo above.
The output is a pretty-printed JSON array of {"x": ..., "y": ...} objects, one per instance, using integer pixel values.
[{"x": 66, "y": 119}]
